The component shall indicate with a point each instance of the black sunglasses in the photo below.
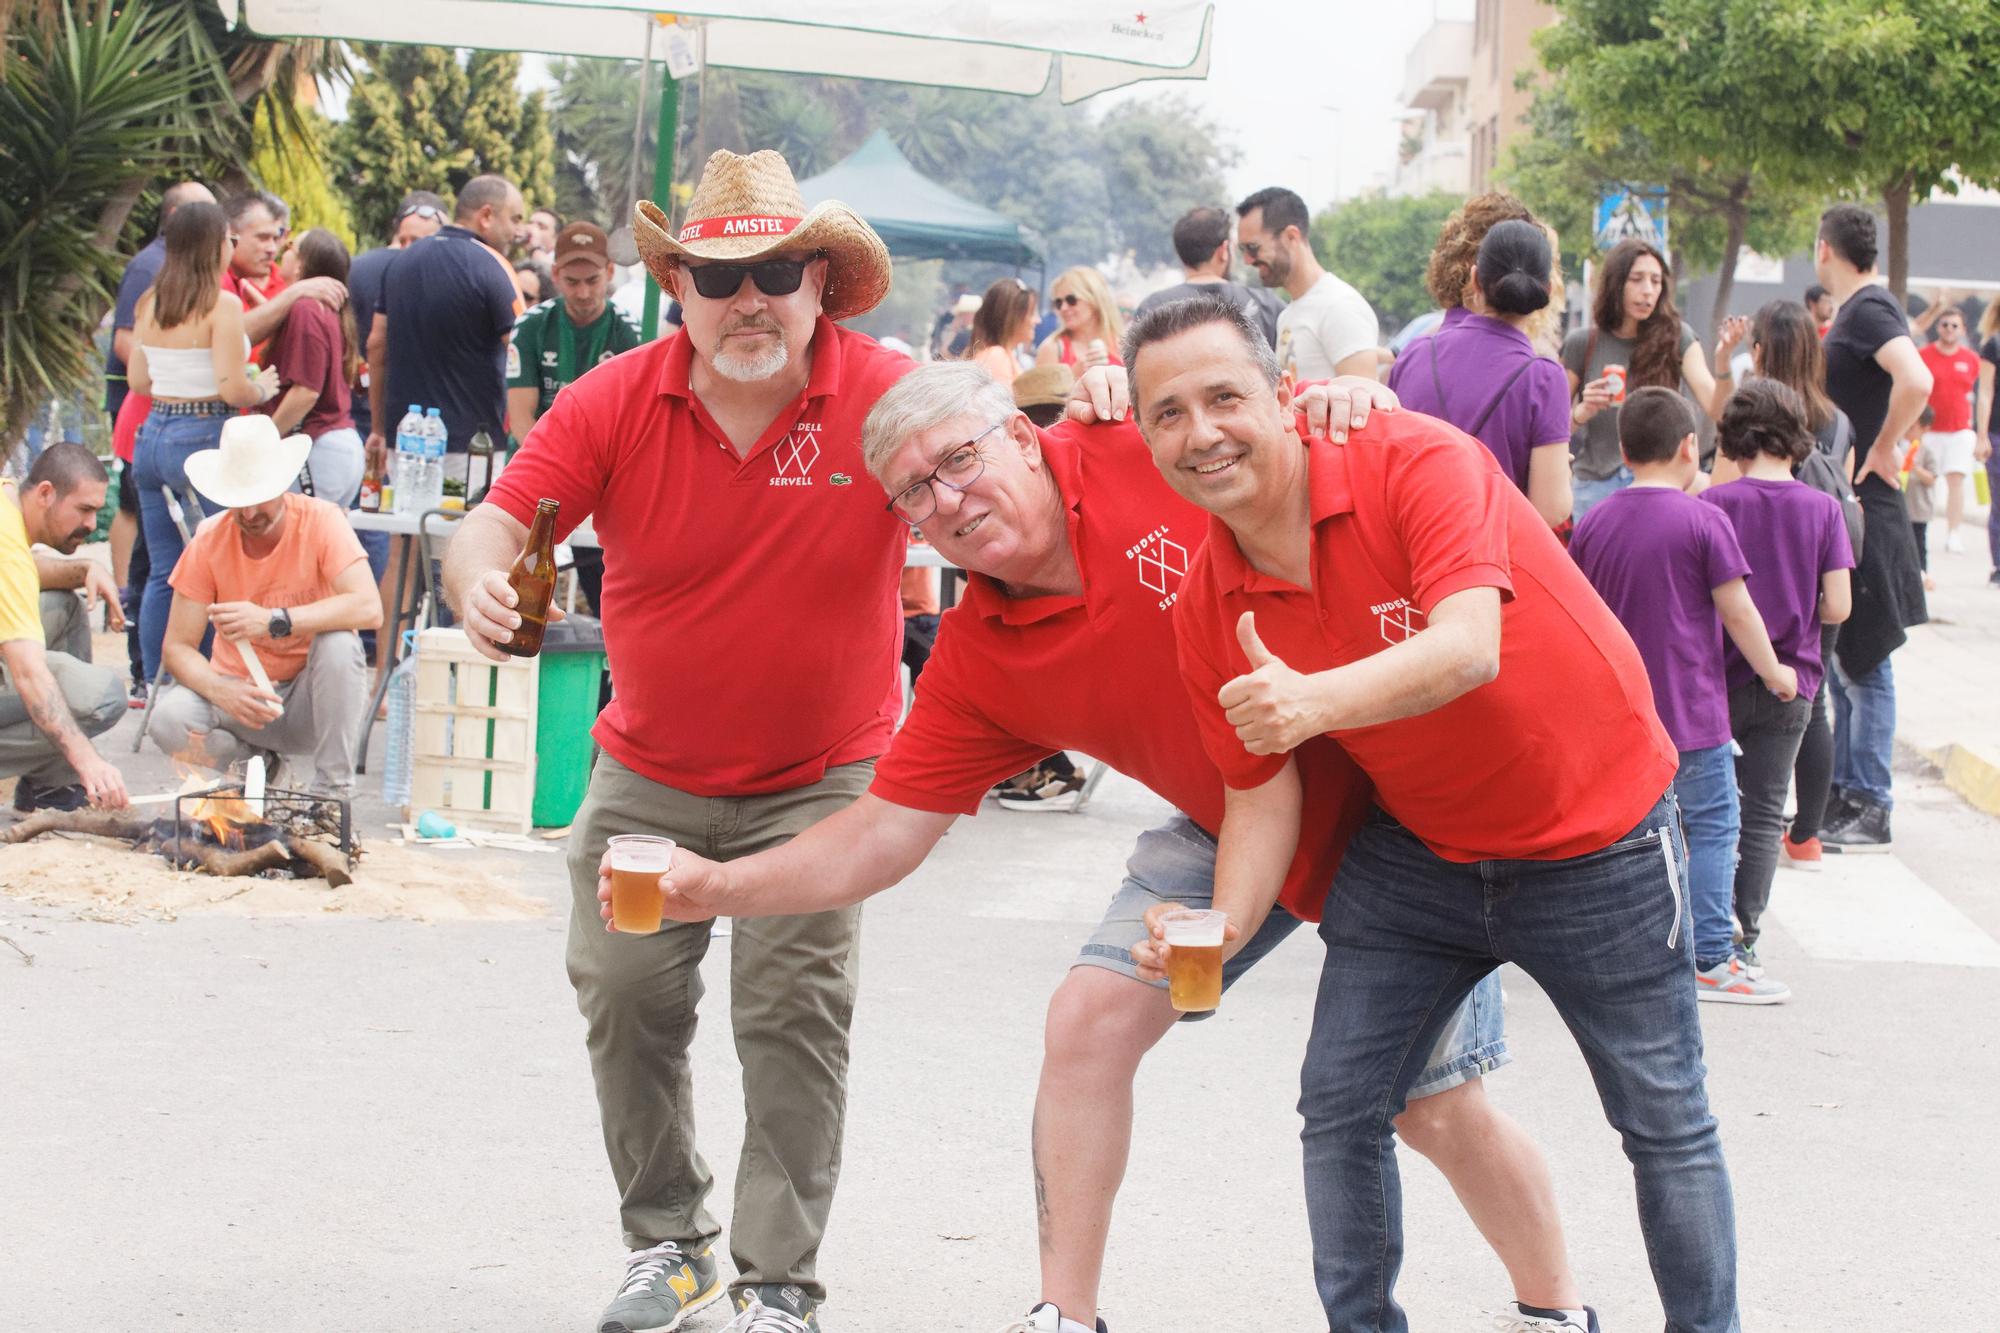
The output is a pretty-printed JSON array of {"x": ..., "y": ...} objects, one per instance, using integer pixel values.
[
  {"x": 1068, "y": 299},
  {"x": 774, "y": 277}
]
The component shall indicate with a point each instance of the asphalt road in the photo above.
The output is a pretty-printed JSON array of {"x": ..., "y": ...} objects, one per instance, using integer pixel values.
[{"x": 222, "y": 1124}]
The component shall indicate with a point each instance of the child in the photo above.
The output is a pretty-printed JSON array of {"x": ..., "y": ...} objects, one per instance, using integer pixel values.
[
  {"x": 1670, "y": 569},
  {"x": 1920, "y": 490},
  {"x": 1796, "y": 541}
]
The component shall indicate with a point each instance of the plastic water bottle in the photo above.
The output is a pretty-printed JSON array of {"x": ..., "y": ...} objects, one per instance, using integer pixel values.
[
  {"x": 436, "y": 439},
  {"x": 396, "y": 758},
  {"x": 409, "y": 460}
]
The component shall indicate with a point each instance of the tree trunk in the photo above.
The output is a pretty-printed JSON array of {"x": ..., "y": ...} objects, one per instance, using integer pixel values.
[
  {"x": 1896, "y": 203},
  {"x": 1737, "y": 214}
]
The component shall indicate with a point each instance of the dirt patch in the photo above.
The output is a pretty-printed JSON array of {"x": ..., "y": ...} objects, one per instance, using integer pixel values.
[{"x": 107, "y": 881}]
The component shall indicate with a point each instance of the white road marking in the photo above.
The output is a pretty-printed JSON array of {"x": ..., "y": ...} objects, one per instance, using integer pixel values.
[{"x": 1874, "y": 909}]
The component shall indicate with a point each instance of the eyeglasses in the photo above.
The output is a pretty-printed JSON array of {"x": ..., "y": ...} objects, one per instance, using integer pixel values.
[
  {"x": 1250, "y": 249},
  {"x": 774, "y": 277},
  {"x": 958, "y": 469},
  {"x": 1060, "y": 301}
]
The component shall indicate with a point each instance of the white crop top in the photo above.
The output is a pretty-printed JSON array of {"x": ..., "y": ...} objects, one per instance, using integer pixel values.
[{"x": 185, "y": 372}]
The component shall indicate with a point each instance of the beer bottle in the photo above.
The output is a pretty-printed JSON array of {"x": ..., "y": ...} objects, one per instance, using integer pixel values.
[
  {"x": 371, "y": 491},
  {"x": 533, "y": 579}
]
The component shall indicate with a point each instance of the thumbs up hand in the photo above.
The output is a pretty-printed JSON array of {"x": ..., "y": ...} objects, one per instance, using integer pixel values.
[{"x": 1274, "y": 708}]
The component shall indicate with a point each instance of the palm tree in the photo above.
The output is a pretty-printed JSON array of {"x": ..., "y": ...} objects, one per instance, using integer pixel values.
[{"x": 100, "y": 100}]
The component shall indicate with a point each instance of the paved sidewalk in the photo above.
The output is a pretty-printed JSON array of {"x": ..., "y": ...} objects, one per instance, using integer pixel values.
[{"x": 1948, "y": 675}]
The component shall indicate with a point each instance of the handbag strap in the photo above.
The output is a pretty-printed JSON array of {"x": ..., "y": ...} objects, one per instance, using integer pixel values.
[{"x": 1519, "y": 371}]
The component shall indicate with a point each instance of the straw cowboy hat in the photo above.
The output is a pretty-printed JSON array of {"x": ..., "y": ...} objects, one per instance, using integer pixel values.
[
  {"x": 747, "y": 208},
  {"x": 250, "y": 466}
]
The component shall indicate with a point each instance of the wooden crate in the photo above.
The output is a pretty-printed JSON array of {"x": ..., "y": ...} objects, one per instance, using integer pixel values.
[{"x": 473, "y": 740}]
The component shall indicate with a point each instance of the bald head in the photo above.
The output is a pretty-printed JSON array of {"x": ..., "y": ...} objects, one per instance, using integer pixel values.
[{"x": 183, "y": 192}]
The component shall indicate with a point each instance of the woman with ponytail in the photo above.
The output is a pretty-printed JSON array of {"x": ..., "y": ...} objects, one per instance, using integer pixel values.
[{"x": 1481, "y": 372}]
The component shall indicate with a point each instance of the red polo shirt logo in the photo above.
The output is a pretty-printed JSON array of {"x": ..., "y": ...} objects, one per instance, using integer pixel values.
[
  {"x": 1398, "y": 619},
  {"x": 796, "y": 454},
  {"x": 1162, "y": 563}
]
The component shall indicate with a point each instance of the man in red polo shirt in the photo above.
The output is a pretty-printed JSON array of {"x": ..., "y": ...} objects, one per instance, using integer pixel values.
[
  {"x": 751, "y": 619},
  {"x": 1065, "y": 640},
  {"x": 1401, "y": 595}
]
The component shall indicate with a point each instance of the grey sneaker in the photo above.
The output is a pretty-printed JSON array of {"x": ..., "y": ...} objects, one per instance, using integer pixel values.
[
  {"x": 1730, "y": 982},
  {"x": 774, "y": 1307},
  {"x": 663, "y": 1286},
  {"x": 1867, "y": 831}
]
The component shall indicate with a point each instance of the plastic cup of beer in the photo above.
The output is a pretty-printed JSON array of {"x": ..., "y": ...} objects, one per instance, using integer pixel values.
[
  {"x": 637, "y": 862},
  {"x": 1194, "y": 958}
]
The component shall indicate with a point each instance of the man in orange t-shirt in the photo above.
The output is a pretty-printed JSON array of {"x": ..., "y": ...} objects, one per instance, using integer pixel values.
[{"x": 284, "y": 583}]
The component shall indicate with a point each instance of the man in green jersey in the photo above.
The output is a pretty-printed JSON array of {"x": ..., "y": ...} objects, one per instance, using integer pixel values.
[{"x": 561, "y": 339}]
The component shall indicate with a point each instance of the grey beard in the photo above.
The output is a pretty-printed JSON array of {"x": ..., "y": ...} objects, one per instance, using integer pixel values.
[{"x": 751, "y": 369}]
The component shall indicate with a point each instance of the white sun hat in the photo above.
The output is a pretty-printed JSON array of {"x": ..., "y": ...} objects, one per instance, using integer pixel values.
[{"x": 251, "y": 465}]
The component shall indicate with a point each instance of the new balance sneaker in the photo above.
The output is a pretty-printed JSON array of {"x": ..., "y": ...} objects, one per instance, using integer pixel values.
[
  {"x": 1730, "y": 982},
  {"x": 1534, "y": 1319},
  {"x": 1045, "y": 1318},
  {"x": 662, "y": 1287},
  {"x": 1043, "y": 788},
  {"x": 775, "y": 1307},
  {"x": 1867, "y": 831}
]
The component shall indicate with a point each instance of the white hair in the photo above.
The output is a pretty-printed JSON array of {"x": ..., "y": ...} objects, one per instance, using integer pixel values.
[{"x": 925, "y": 399}]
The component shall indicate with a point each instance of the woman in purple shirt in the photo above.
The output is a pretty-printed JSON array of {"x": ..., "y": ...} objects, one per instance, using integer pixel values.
[{"x": 1480, "y": 372}]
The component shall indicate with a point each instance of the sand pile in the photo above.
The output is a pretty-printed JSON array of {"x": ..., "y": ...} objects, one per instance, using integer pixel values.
[{"x": 107, "y": 881}]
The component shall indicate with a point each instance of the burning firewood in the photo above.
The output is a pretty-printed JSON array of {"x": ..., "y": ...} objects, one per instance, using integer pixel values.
[{"x": 208, "y": 858}]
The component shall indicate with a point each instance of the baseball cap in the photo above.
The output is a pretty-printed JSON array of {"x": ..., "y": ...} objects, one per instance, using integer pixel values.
[{"x": 582, "y": 240}]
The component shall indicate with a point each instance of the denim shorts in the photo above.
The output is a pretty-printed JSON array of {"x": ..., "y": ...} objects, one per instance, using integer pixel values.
[{"x": 1176, "y": 863}]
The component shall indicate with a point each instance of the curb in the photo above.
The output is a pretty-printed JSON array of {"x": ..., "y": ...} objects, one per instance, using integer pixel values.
[{"x": 1972, "y": 775}]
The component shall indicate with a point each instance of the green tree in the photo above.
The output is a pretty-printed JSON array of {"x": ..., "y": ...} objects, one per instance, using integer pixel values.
[
  {"x": 1561, "y": 177},
  {"x": 1160, "y": 158},
  {"x": 288, "y": 161},
  {"x": 1904, "y": 103},
  {"x": 593, "y": 113},
  {"x": 1710, "y": 98},
  {"x": 100, "y": 103},
  {"x": 1382, "y": 245},
  {"x": 419, "y": 118}
]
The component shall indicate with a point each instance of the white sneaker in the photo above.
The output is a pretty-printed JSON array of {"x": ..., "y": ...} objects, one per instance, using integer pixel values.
[
  {"x": 1521, "y": 1318},
  {"x": 1953, "y": 542},
  {"x": 1045, "y": 1318}
]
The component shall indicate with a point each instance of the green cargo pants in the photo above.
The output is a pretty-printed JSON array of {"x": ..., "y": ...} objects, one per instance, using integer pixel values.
[{"x": 791, "y": 997}]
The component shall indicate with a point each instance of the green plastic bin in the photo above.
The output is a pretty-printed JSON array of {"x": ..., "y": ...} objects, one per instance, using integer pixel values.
[{"x": 565, "y": 707}]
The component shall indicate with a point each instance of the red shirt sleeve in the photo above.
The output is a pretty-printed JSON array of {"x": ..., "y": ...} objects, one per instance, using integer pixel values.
[
  {"x": 1208, "y": 662},
  {"x": 949, "y": 752},
  {"x": 564, "y": 458},
  {"x": 1449, "y": 501}
]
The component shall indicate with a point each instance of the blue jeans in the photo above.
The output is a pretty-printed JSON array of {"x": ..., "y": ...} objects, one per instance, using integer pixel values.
[
  {"x": 1585, "y": 493},
  {"x": 1864, "y": 732},
  {"x": 159, "y": 459},
  {"x": 1705, "y": 787},
  {"x": 1408, "y": 936}
]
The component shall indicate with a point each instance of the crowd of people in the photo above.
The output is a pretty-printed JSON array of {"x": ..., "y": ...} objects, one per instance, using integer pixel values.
[{"x": 1514, "y": 658}]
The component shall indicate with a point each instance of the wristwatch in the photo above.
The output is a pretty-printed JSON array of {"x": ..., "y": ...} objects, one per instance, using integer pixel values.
[{"x": 281, "y": 623}]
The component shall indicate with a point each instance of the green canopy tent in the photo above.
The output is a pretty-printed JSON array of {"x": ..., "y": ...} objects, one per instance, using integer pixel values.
[{"x": 915, "y": 216}]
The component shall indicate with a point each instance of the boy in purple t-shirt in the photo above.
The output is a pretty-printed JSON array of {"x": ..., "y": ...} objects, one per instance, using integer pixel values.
[
  {"x": 1796, "y": 541},
  {"x": 1670, "y": 569}
]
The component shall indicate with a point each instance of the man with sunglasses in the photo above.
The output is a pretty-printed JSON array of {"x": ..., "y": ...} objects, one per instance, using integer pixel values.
[
  {"x": 751, "y": 617},
  {"x": 1065, "y": 639},
  {"x": 1328, "y": 328}
]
